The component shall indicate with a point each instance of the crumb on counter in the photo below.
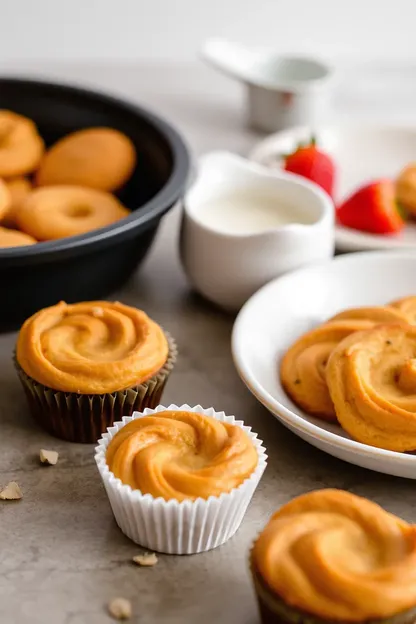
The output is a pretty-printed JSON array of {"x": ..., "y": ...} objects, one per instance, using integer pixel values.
[
  {"x": 120, "y": 609},
  {"x": 12, "y": 491},
  {"x": 146, "y": 560},
  {"x": 49, "y": 458}
]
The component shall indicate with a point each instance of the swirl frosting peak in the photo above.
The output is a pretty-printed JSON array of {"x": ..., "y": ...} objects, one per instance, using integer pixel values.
[
  {"x": 91, "y": 348},
  {"x": 339, "y": 556},
  {"x": 181, "y": 455}
]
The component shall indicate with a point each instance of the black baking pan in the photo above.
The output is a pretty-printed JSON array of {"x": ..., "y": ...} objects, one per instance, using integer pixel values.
[{"x": 91, "y": 265}]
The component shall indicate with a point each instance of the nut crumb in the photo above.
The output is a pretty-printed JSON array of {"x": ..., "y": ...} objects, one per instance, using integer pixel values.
[
  {"x": 50, "y": 458},
  {"x": 12, "y": 491},
  {"x": 97, "y": 312},
  {"x": 120, "y": 609},
  {"x": 148, "y": 559}
]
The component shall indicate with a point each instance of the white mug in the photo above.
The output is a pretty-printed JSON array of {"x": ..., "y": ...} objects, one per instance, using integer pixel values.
[{"x": 282, "y": 91}]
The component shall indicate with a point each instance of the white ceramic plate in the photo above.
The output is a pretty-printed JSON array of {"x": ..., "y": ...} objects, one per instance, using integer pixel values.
[
  {"x": 362, "y": 153},
  {"x": 287, "y": 307}
]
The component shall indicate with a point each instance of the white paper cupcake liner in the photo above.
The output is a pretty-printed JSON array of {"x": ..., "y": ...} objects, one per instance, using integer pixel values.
[{"x": 172, "y": 527}]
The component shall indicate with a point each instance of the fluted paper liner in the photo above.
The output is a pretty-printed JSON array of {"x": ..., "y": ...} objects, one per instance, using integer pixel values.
[
  {"x": 84, "y": 417},
  {"x": 274, "y": 610},
  {"x": 173, "y": 527}
]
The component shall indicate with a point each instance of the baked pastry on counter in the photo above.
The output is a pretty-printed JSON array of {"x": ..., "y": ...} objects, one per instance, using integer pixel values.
[{"x": 331, "y": 556}]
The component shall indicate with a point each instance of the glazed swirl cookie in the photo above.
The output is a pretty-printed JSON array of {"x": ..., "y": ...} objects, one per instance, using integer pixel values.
[
  {"x": 372, "y": 381},
  {"x": 100, "y": 158},
  {"x": 181, "y": 455},
  {"x": 91, "y": 348},
  {"x": 58, "y": 211},
  {"x": 338, "y": 557},
  {"x": 21, "y": 147},
  {"x": 14, "y": 238},
  {"x": 303, "y": 367}
]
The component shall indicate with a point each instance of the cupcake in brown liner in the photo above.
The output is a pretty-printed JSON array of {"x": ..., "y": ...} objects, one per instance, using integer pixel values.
[
  {"x": 331, "y": 556},
  {"x": 86, "y": 365}
]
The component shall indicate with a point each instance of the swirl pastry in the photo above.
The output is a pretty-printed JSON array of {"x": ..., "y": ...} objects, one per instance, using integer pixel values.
[
  {"x": 372, "y": 381},
  {"x": 407, "y": 307},
  {"x": 59, "y": 211},
  {"x": 332, "y": 556},
  {"x": 376, "y": 314},
  {"x": 91, "y": 348},
  {"x": 303, "y": 367},
  {"x": 83, "y": 159},
  {"x": 21, "y": 147},
  {"x": 181, "y": 455}
]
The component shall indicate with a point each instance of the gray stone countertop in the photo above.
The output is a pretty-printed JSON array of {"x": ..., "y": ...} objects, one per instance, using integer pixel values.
[{"x": 62, "y": 557}]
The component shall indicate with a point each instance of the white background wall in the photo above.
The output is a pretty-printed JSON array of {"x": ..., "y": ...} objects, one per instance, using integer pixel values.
[{"x": 173, "y": 29}]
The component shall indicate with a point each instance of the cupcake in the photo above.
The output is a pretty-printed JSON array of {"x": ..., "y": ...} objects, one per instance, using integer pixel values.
[
  {"x": 85, "y": 365},
  {"x": 331, "y": 556},
  {"x": 179, "y": 479}
]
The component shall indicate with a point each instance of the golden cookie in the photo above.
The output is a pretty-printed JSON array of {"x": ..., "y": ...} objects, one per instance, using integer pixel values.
[
  {"x": 21, "y": 147},
  {"x": 100, "y": 158},
  {"x": 407, "y": 307},
  {"x": 406, "y": 189},
  {"x": 371, "y": 377},
  {"x": 58, "y": 211},
  {"x": 13, "y": 238},
  {"x": 5, "y": 199},
  {"x": 19, "y": 189},
  {"x": 377, "y": 314},
  {"x": 303, "y": 368}
]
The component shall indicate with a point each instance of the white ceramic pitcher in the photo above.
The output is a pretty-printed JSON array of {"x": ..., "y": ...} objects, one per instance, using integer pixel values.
[{"x": 228, "y": 268}]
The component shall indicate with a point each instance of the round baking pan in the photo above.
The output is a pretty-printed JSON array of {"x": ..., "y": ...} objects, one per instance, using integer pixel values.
[{"x": 91, "y": 265}]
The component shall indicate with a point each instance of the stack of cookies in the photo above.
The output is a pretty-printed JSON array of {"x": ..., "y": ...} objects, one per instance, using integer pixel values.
[
  {"x": 359, "y": 369},
  {"x": 47, "y": 194}
]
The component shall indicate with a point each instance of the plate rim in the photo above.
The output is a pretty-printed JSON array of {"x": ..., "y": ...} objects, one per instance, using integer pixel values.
[{"x": 285, "y": 414}]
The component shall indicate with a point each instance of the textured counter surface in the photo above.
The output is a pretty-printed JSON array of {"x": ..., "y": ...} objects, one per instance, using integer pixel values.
[{"x": 62, "y": 557}]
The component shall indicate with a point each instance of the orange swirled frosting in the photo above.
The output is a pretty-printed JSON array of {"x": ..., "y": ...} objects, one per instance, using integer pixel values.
[
  {"x": 372, "y": 381},
  {"x": 91, "y": 348},
  {"x": 338, "y": 556},
  {"x": 181, "y": 455}
]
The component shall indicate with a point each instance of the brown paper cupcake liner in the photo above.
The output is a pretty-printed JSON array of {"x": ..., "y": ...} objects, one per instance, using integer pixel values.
[
  {"x": 274, "y": 610},
  {"x": 84, "y": 417}
]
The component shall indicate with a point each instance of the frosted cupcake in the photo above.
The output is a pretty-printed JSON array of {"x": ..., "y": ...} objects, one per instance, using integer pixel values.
[
  {"x": 179, "y": 479},
  {"x": 84, "y": 365},
  {"x": 331, "y": 556}
]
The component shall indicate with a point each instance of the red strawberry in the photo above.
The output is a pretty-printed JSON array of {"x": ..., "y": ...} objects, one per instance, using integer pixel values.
[
  {"x": 373, "y": 208},
  {"x": 313, "y": 164}
]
